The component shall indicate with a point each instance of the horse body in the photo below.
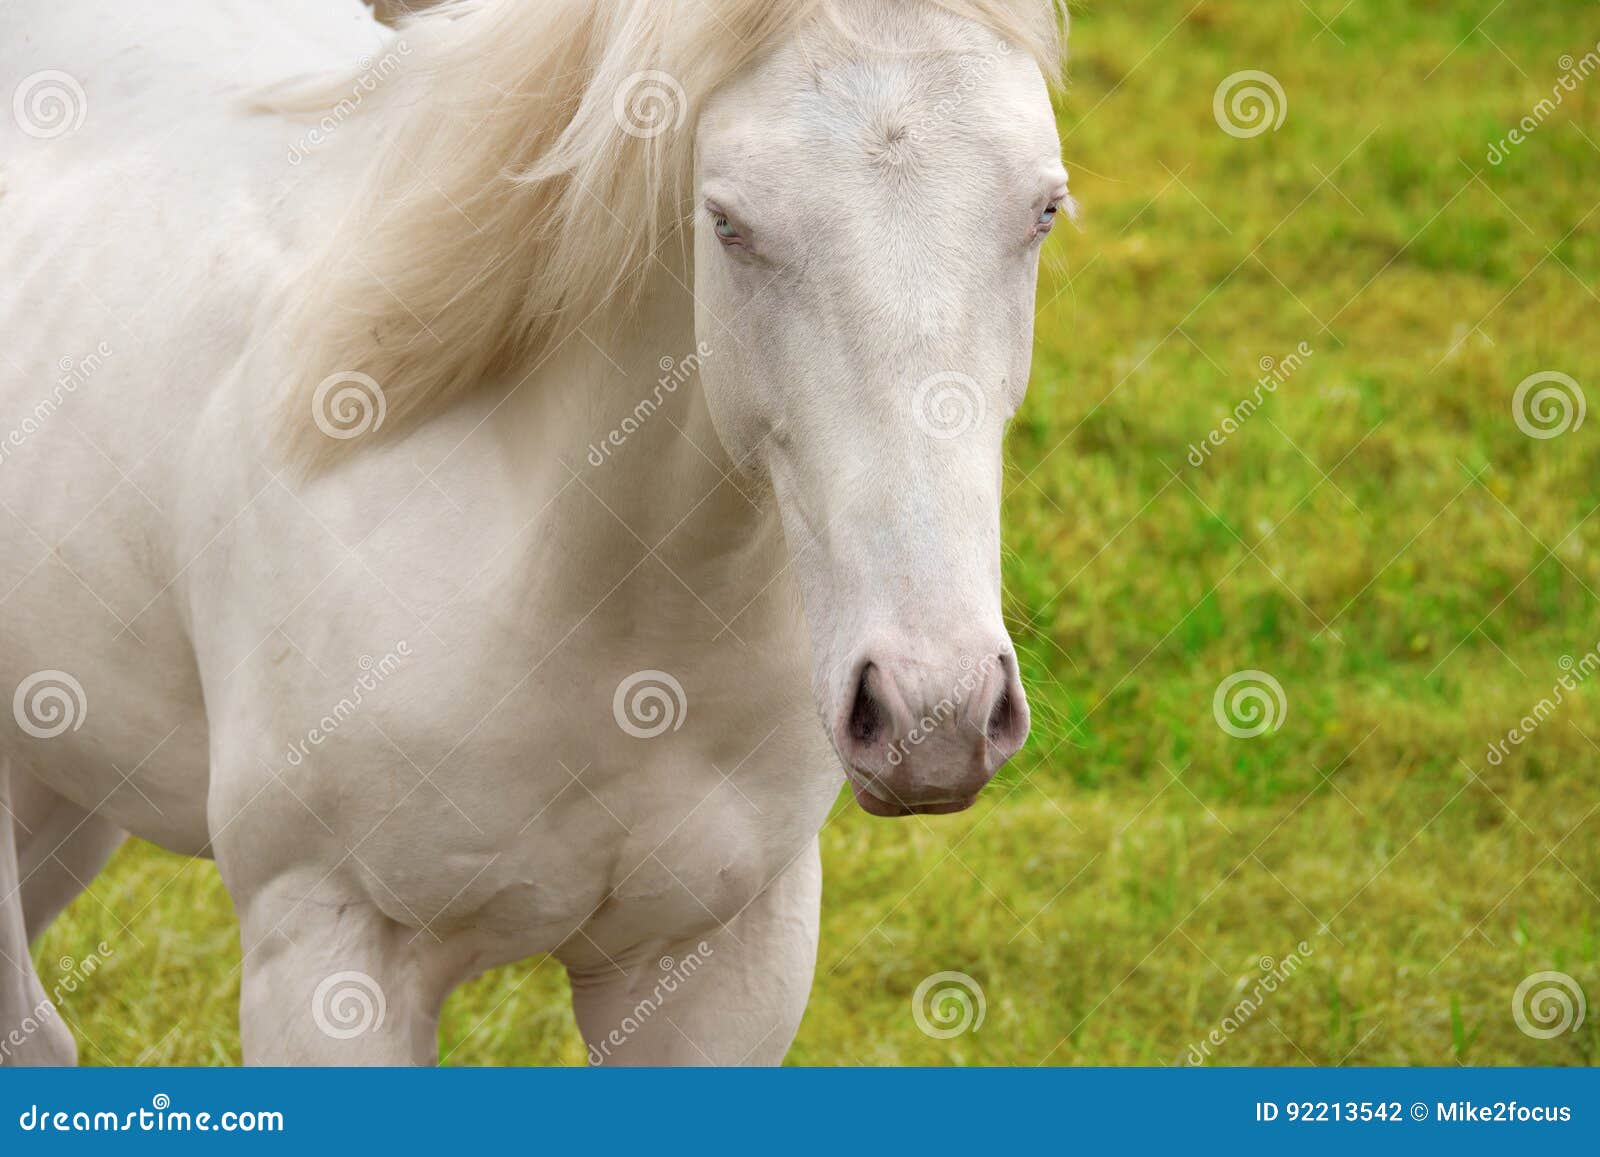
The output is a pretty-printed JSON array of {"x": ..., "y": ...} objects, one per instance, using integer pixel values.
[
  {"x": 463, "y": 698},
  {"x": 135, "y": 283}
]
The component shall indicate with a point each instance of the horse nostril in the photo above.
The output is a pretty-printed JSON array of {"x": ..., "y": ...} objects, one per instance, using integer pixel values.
[
  {"x": 866, "y": 713},
  {"x": 1003, "y": 719},
  {"x": 1007, "y": 725}
]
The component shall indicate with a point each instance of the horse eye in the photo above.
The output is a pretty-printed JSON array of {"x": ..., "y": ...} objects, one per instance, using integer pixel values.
[
  {"x": 725, "y": 228},
  {"x": 1048, "y": 217}
]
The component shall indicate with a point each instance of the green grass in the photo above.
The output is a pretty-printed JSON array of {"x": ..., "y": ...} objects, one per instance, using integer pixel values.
[{"x": 1380, "y": 537}]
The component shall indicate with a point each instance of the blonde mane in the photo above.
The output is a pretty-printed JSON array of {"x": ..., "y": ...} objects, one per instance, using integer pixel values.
[{"x": 508, "y": 203}]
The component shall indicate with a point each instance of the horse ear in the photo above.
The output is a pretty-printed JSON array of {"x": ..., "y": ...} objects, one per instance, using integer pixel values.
[{"x": 393, "y": 11}]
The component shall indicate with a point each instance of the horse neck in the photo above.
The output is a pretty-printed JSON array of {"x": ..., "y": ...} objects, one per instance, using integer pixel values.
[{"x": 619, "y": 419}]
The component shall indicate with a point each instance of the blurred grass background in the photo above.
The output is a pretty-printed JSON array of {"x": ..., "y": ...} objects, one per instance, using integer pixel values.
[{"x": 1380, "y": 537}]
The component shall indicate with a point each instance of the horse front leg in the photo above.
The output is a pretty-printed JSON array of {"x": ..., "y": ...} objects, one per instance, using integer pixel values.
[
  {"x": 734, "y": 996},
  {"x": 31, "y": 1031},
  {"x": 333, "y": 981}
]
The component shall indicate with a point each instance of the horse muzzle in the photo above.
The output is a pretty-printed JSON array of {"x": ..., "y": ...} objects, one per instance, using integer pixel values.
[{"x": 920, "y": 736}]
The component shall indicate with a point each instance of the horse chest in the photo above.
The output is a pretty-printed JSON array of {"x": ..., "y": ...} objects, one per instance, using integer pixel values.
[{"x": 604, "y": 857}]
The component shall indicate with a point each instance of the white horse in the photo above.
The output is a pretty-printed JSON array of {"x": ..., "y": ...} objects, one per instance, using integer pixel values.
[{"x": 645, "y": 362}]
